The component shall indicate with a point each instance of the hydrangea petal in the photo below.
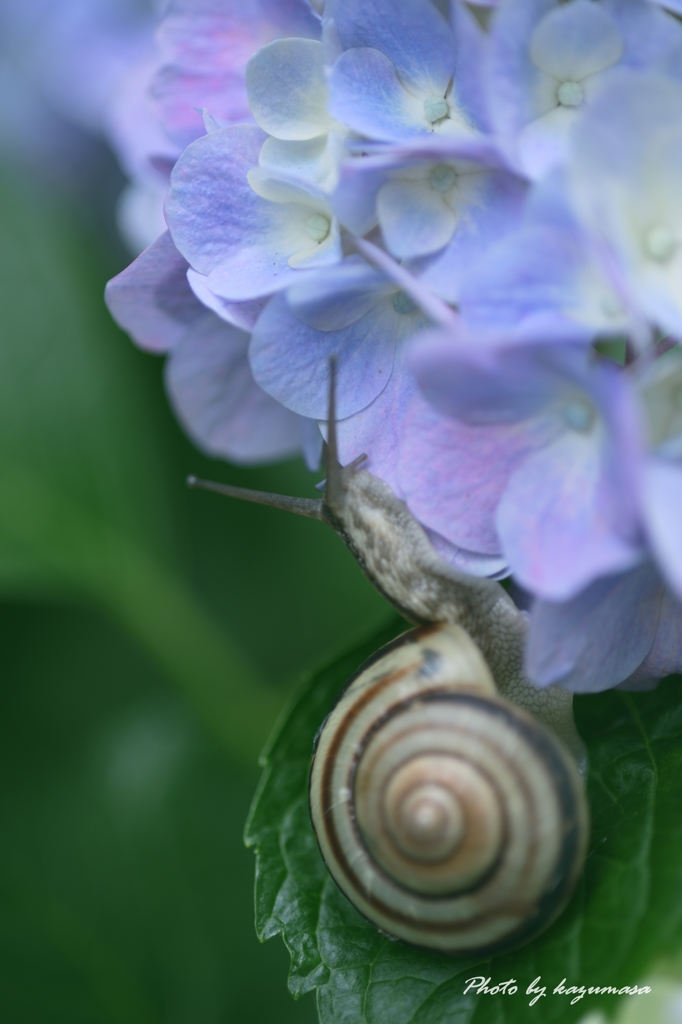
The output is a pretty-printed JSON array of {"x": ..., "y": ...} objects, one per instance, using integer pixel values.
[
  {"x": 367, "y": 95},
  {"x": 497, "y": 211},
  {"x": 517, "y": 90},
  {"x": 472, "y": 47},
  {"x": 313, "y": 163},
  {"x": 555, "y": 521},
  {"x": 180, "y": 96},
  {"x": 209, "y": 191},
  {"x": 544, "y": 143},
  {"x": 491, "y": 380},
  {"x": 287, "y": 89},
  {"x": 206, "y": 45},
  {"x": 576, "y": 40},
  {"x": 151, "y": 298},
  {"x": 414, "y": 217},
  {"x": 216, "y": 399},
  {"x": 240, "y": 314},
  {"x": 411, "y": 33},
  {"x": 354, "y": 200},
  {"x": 662, "y": 494},
  {"x": 336, "y": 297},
  {"x": 290, "y": 360},
  {"x": 632, "y": 134},
  {"x": 452, "y": 474},
  {"x": 665, "y": 656},
  {"x": 246, "y": 245},
  {"x": 650, "y": 34},
  {"x": 376, "y": 430},
  {"x": 541, "y": 267},
  {"x": 600, "y": 637}
]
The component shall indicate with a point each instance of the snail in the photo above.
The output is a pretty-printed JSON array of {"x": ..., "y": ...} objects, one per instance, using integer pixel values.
[{"x": 445, "y": 790}]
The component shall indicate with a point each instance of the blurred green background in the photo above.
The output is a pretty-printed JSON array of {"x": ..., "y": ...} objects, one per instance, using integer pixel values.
[{"x": 150, "y": 635}]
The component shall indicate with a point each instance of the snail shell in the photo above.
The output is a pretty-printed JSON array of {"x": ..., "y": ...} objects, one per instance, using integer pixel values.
[{"x": 447, "y": 815}]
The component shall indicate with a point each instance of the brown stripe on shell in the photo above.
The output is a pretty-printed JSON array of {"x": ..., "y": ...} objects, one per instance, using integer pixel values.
[
  {"x": 409, "y": 637},
  {"x": 558, "y": 886}
]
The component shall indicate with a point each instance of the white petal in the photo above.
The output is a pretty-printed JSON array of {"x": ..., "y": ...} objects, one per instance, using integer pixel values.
[
  {"x": 287, "y": 89},
  {"x": 576, "y": 40}
]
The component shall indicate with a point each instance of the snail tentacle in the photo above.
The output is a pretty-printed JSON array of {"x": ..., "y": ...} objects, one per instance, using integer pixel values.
[{"x": 396, "y": 555}]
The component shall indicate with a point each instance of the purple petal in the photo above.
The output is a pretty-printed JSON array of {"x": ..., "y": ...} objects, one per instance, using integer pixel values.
[
  {"x": 354, "y": 201},
  {"x": 600, "y": 637},
  {"x": 452, "y": 474},
  {"x": 336, "y": 297},
  {"x": 485, "y": 380},
  {"x": 497, "y": 212},
  {"x": 576, "y": 40},
  {"x": 216, "y": 399},
  {"x": 415, "y": 220},
  {"x": 241, "y": 241},
  {"x": 240, "y": 314},
  {"x": 207, "y": 46},
  {"x": 472, "y": 45},
  {"x": 209, "y": 190},
  {"x": 151, "y": 298},
  {"x": 649, "y": 34},
  {"x": 471, "y": 562},
  {"x": 665, "y": 656},
  {"x": 663, "y": 506},
  {"x": 555, "y": 518},
  {"x": 367, "y": 95},
  {"x": 290, "y": 360},
  {"x": 355, "y": 198},
  {"x": 534, "y": 268},
  {"x": 411, "y": 33},
  {"x": 180, "y": 96},
  {"x": 512, "y": 77},
  {"x": 376, "y": 430}
]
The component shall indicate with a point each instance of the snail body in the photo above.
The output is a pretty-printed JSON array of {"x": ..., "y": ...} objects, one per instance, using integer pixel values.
[
  {"x": 445, "y": 790},
  {"x": 446, "y": 814}
]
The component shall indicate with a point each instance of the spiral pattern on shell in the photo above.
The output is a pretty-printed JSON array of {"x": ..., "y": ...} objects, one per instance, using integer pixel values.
[{"x": 448, "y": 816}]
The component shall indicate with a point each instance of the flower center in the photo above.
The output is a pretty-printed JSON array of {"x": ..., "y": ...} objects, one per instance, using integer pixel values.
[
  {"x": 435, "y": 107},
  {"x": 317, "y": 227},
  {"x": 579, "y": 415},
  {"x": 570, "y": 94},
  {"x": 659, "y": 243},
  {"x": 442, "y": 177},
  {"x": 610, "y": 307},
  {"x": 403, "y": 304}
]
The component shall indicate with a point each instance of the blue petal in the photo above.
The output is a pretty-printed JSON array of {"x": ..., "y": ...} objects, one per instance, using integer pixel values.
[
  {"x": 412, "y": 34},
  {"x": 216, "y": 399},
  {"x": 665, "y": 656},
  {"x": 599, "y": 638},
  {"x": 377, "y": 429},
  {"x": 492, "y": 380},
  {"x": 367, "y": 95},
  {"x": 290, "y": 360},
  {"x": 663, "y": 504},
  {"x": 240, "y": 314},
  {"x": 336, "y": 297},
  {"x": 556, "y": 518},
  {"x": 498, "y": 212},
  {"x": 151, "y": 298}
]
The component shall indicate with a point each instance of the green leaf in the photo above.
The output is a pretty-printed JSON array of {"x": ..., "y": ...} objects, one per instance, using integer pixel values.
[{"x": 626, "y": 913}]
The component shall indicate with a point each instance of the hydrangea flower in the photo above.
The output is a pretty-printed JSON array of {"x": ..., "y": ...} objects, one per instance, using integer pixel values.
[
  {"x": 198, "y": 64},
  {"x": 483, "y": 226},
  {"x": 209, "y": 379}
]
